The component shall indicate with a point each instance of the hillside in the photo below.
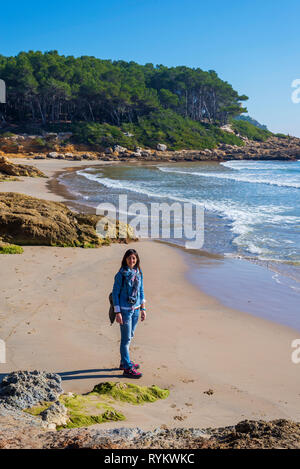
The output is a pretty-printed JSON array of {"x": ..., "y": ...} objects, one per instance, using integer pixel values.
[
  {"x": 103, "y": 103},
  {"x": 252, "y": 121}
]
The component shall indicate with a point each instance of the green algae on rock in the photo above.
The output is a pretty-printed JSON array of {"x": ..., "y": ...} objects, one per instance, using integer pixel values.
[
  {"x": 131, "y": 393},
  {"x": 37, "y": 410},
  {"x": 82, "y": 411},
  {"x": 6, "y": 248},
  {"x": 86, "y": 410}
]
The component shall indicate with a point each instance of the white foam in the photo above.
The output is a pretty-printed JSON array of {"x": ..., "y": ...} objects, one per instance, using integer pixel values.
[
  {"x": 240, "y": 165},
  {"x": 252, "y": 178},
  {"x": 134, "y": 187}
]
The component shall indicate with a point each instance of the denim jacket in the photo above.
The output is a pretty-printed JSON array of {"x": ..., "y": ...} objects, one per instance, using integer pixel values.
[{"x": 121, "y": 291}]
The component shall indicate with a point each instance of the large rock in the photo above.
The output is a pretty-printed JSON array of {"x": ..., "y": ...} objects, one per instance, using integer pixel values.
[
  {"x": 10, "y": 169},
  {"x": 161, "y": 147},
  {"x": 25, "y": 389},
  {"x": 26, "y": 220}
]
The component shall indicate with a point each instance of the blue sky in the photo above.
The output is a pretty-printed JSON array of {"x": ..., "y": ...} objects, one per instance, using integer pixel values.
[{"x": 253, "y": 44}]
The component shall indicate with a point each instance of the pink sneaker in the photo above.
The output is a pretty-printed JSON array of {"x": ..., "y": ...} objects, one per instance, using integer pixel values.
[
  {"x": 132, "y": 373},
  {"x": 135, "y": 365}
]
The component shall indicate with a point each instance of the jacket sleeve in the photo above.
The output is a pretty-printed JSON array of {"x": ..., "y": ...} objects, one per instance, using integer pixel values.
[
  {"x": 116, "y": 292},
  {"x": 142, "y": 295}
]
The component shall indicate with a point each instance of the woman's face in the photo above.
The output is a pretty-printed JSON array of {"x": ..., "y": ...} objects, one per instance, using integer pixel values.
[{"x": 131, "y": 261}]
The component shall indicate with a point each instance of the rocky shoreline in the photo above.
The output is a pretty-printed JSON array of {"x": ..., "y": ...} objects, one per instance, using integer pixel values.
[
  {"x": 277, "y": 434},
  {"x": 274, "y": 148},
  {"x": 21, "y": 430}
]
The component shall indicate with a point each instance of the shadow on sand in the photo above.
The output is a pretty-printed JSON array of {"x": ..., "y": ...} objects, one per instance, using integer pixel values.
[
  {"x": 86, "y": 374},
  {"x": 83, "y": 374}
]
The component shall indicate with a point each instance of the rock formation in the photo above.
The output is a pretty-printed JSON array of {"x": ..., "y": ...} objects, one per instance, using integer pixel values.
[
  {"x": 8, "y": 168},
  {"x": 19, "y": 430},
  {"x": 26, "y": 220},
  {"x": 38, "y": 146},
  {"x": 24, "y": 389}
]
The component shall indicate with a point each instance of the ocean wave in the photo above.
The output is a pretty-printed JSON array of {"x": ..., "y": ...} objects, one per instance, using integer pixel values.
[
  {"x": 134, "y": 187},
  {"x": 248, "y": 178},
  {"x": 260, "y": 165},
  {"x": 239, "y": 213},
  {"x": 244, "y": 220}
]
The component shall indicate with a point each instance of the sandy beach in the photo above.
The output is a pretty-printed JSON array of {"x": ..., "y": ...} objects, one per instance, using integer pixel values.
[{"x": 53, "y": 316}]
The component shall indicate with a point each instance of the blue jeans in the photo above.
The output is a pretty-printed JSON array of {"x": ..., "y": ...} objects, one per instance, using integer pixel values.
[{"x": 130, "y": 320}]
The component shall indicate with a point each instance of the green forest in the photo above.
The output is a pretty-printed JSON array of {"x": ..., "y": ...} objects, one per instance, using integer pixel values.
[{"x": 108, "y": 102}]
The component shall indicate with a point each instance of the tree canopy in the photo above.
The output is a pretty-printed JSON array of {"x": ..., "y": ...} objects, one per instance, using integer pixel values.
[{"x": 50, "y": 88}]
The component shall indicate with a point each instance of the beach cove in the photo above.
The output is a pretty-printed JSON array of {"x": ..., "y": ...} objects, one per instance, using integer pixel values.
[{"x": 53, "y": 309}]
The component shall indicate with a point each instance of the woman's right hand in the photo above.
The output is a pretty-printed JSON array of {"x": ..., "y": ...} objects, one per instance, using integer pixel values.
[{"x": 119, "y": 318}]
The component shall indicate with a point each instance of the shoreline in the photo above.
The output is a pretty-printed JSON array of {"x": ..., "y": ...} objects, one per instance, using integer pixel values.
[
  {"x": 48, "y": 189},
  {"x": 273, "y": 148},
  {"x": 209, "y": 281},
  {"x": 245, "y": 360},
  {"x": 271, "y": 290}
]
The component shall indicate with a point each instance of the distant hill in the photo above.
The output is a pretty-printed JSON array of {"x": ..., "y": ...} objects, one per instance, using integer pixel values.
[{"x": 252, "y": 121}]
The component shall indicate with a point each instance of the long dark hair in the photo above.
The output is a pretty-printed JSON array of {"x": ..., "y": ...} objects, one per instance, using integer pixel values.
[{"x": 129, "y": 253}]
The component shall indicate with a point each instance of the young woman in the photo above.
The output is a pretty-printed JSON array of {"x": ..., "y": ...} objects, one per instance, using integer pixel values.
[{"x": 129, "y": 300}]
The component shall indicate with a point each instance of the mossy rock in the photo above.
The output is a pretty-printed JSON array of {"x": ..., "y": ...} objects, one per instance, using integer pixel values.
[
  {"x": 6, "y": 248},
  {"x": 131, "y": 393},
  {"x": 95, "y": 407},
  {"x": 37, "y": 410},
  {"x": 82, "y": 411},
  {"x": 78, "y": 420}
]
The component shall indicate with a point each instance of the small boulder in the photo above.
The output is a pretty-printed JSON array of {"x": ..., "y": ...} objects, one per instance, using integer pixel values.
[
  {"x": 56, "y": 414},
  {"x": 53, "y": 154},
  {"x": 161, "y": 147},
  {"x": 119, "y": 149}
]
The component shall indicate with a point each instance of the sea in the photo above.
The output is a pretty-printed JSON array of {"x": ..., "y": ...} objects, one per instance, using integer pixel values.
[{"x": 250, "y": 258}]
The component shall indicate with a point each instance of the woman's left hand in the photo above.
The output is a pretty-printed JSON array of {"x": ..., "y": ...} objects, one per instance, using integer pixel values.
[{"x": 143, "y": 315}]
